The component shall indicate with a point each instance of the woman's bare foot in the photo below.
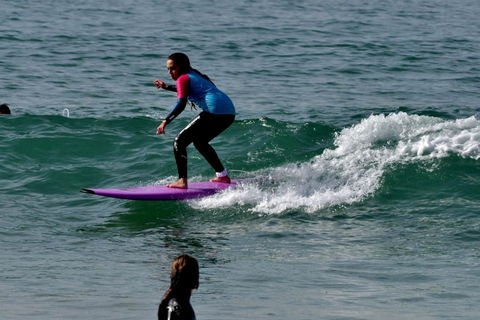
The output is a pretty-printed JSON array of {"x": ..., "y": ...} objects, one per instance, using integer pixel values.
[
  {"x": 225, "y": 179},
  {"x": 180, "y": 184}
]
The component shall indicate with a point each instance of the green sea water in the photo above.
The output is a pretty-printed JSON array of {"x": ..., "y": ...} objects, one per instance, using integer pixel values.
[{"x": 360, "y": 117}]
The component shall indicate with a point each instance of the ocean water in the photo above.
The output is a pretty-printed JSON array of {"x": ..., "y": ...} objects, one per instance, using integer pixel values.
[{"x": 361, "y": 117}]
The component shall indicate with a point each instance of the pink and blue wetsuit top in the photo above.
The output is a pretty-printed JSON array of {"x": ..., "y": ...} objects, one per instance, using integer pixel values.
[
  {"x": 204, "y": 94},
  {"x": 201, "y": 92}
]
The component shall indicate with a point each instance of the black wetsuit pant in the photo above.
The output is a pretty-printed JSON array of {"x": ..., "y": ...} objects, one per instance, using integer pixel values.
[{"x": 201, "y": 130}]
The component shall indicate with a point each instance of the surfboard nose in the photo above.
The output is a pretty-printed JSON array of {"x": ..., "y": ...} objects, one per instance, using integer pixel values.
[{"x": 87, "y": 191}]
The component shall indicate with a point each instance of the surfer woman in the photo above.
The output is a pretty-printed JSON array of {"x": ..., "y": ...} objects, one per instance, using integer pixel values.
[
  {"x": 218, "y": 113},
  {"x": 184, "y": 277}
]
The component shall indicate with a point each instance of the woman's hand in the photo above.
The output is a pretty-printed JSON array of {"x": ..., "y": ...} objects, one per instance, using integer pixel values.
[
  {"x": 161, "y": 127},
  {"x": 160, "y": 84}
]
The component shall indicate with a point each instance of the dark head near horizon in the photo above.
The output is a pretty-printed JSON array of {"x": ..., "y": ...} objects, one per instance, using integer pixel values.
[{"x": 4, "y": 109}]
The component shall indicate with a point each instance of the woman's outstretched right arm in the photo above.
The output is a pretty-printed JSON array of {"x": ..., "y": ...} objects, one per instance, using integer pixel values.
[{"x": 160, "y": 84}]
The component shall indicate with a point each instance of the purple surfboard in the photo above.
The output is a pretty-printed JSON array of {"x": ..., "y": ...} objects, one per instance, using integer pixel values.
[{"x": 195, "y": 190}]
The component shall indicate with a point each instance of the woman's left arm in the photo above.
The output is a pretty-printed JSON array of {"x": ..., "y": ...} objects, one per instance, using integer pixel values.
[{"x": 183, "y": 84}]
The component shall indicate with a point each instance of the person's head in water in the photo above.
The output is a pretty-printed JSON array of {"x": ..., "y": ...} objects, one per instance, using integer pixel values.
[
  {"x": 184, "y": 277},
  {"x": 4, "y": 109},
  {"x": 184, "y": 274}
]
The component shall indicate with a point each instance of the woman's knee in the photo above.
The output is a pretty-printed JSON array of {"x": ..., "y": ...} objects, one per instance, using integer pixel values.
[
  {"x": 178, "y": 144},
  {"x": 201, "y": 145}
]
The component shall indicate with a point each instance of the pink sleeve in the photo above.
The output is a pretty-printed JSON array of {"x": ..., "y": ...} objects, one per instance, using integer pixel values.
[{"x": 183, "y": 84}]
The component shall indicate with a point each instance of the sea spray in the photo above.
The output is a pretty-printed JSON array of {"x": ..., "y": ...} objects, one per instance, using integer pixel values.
[{"x": 353, "y": 169}]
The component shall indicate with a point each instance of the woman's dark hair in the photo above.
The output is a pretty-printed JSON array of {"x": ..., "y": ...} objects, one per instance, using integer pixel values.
[{"x": 181, "y": 60}]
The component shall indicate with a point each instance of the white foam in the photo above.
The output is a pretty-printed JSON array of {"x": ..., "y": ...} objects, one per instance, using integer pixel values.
[{"x": 353, "y": 169}]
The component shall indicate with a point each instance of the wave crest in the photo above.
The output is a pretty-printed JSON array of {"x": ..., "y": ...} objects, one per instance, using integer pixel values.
[{"x": 353, "y": 169}]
